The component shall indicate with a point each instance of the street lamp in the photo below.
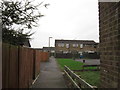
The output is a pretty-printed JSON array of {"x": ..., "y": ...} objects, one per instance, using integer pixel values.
[
  {"x": 49, "y": 41},
  {"x": 49, "y": 45}
]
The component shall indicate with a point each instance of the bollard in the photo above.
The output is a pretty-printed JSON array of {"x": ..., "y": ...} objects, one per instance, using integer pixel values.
[{"x": 83, "y": 61}]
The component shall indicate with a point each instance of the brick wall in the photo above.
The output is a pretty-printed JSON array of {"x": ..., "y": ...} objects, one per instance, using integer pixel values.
[
  {"x": 71, "y": 48},
  {"x": 109, "y": 27}
]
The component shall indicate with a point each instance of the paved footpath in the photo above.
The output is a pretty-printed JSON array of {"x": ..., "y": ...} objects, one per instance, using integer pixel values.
[
  {"x": 50, "y": 76},
  {"x": 90, "y": 61}
]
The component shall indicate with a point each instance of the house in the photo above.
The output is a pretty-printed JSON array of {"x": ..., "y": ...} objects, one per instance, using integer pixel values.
[
  {"x": 75, "y": 46},
  {"x": 49, "y": 49}
]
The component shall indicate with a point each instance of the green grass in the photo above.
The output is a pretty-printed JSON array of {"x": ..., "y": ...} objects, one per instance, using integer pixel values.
[
  {"x": 73, "y": 65},
  {"x": 92, "y": 77}
]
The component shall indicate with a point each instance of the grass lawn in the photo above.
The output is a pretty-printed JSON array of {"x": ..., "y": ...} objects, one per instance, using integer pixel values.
[
  {"x": 73, "y": 65},
  {"x": 92, "y": 77}
]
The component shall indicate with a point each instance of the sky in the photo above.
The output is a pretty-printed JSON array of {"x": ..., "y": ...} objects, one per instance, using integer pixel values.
[{"x": 68, "y": 20}]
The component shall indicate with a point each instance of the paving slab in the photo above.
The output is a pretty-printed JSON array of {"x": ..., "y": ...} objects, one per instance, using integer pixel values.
[{"x": 50, "y": 76}]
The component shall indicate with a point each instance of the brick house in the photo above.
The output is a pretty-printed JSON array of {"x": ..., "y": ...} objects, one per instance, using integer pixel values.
[
  {"x": 49, "y": 49},
  {"x": 75, "y": 46}
]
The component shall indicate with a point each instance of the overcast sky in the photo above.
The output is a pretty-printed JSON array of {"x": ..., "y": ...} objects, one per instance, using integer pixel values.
[{"x": 67, "y": 19}]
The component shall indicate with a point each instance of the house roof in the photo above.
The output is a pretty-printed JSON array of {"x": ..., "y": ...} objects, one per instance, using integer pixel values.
[{"x": 76, "y": 41}]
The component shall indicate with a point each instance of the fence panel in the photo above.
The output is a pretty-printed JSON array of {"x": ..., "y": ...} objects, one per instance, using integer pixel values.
[
  {"x": 13, "y": 67},
  {"x": 41, "y": 57},
  {"x": 62, "y": 55},
  {"x": 27, "y": 67},
  {"x": 37, "y": 63},
  {"x": 45, "y": 56},
  {"x": 5, "y": 65},
  {"x": 20, "y": 65},
  {"x": 22, "y": 68},
  {"x": 30, "y": 58}
]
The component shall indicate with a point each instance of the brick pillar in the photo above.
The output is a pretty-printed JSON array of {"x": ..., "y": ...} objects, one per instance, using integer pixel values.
[{"x": 109, "y": 30}]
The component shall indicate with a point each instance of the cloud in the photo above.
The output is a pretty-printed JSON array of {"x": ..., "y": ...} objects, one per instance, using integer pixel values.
[{"x": 67, "y": 19}]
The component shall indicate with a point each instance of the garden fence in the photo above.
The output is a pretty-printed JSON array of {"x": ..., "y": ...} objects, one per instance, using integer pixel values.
[{"x": 20, "y": 65}]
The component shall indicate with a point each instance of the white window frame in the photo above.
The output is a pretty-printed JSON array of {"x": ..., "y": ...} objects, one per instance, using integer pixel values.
[
  {"x": 60, "y": 44},
  {"x": 81, "y": 45},
  {"x": 67, "y": 45},
  {"x": 75, "y": 45}
]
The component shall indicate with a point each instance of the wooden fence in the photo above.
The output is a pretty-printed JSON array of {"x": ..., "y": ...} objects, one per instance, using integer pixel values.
[
  {"x": 20, "y": 65},
  {"x": 76, "y": 81}
]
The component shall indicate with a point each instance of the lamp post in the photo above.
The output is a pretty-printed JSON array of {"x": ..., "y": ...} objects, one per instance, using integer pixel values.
[
  {"x": 49, "y": 41},
  {"x": 49, "y": 45}
]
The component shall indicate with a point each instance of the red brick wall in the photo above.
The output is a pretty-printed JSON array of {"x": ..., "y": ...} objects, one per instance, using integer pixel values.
[{"x": 109, "y": 27}]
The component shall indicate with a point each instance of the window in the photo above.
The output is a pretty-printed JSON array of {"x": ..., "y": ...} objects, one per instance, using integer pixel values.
[
  {"x": 61, "y": 45},
  {"x": 75, "y": 45},
  {"x": 81, "y": 45},
  {"x": 95, "y": 46},
  {"x": 67, "y": 46},
  {"x": 65, "y": 51},
  {"x": 81, "y": 53}
]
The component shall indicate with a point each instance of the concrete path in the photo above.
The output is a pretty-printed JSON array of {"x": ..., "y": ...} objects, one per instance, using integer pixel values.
[
  {"x": 50, "y": 76},
  {"x": 90, "y": 61}
]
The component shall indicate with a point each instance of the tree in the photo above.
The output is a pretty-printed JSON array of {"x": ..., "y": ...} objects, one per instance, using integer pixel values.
[{"x": 21, "y": 14}]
